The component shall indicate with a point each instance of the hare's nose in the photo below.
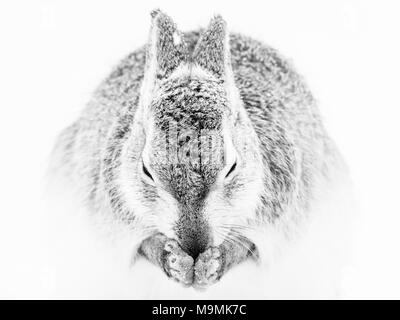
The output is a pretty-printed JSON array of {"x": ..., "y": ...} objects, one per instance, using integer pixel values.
[
  {"x": 194, "y": 248},
  {"x": 194, "y": 239}
]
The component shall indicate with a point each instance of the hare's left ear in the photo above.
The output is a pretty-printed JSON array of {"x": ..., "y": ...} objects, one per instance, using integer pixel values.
[
  {"x": 166, "y": 51},
  {"x": 212, "y": 53}
]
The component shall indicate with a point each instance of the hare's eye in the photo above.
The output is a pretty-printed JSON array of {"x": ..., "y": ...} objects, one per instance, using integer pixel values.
[
  {"x": 146, "y": 172},
  {"x": 231, "y": 170}
]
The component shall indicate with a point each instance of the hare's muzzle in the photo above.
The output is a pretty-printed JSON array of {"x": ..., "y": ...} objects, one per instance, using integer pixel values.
[{"x": 193, "y": 235}]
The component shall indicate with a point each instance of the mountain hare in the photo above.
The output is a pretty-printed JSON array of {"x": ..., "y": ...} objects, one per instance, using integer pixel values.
[{"x": 203, "y": 145}]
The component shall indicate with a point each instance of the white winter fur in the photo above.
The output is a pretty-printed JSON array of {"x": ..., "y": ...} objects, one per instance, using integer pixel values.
[
  {"x": 84, "y": 263},
  {"x": 271, "y": 279}
]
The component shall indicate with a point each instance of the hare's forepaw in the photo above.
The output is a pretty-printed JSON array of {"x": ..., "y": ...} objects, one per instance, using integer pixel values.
[
  {"x": 177, "y": 264},
  {"x": 208, "y": 268}
]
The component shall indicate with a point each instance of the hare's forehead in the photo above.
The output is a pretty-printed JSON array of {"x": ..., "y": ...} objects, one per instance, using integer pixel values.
[
  {"x": 189, "y": 183},
  {"x": 193, "y": 103}
]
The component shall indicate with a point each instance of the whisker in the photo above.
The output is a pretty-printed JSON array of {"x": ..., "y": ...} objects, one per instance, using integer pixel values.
[
  {"x": 238, "y": 226},
  {"x": 234, "y": 239},
  {"x": 241, "y": 243}
]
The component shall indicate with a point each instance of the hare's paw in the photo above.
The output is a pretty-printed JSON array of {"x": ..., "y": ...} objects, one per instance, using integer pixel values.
[
  {"x": 208, "y": 268},
  {"x": 177, "y": 264}
]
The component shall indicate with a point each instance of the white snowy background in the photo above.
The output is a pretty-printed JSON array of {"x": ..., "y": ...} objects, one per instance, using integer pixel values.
[{"x": 54, "y": 53}]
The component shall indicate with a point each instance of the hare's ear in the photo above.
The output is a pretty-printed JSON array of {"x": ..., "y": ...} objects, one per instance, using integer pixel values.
[
  {"x": 165, "y": 51},
  {"x": 212, "y": 50},
  {"x": 212, "y": 53},
  {"x": 166, "y": 48}
]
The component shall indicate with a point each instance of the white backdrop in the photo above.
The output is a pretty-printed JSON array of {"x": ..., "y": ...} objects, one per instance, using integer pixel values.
[{"x": 54, "y": 53}]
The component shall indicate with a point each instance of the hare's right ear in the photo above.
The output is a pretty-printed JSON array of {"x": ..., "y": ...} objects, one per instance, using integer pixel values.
[{"x": 166, "y": 50}]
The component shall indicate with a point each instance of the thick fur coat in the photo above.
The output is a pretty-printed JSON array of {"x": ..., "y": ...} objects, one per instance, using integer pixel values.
[{"x": 206, "y": 146}]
